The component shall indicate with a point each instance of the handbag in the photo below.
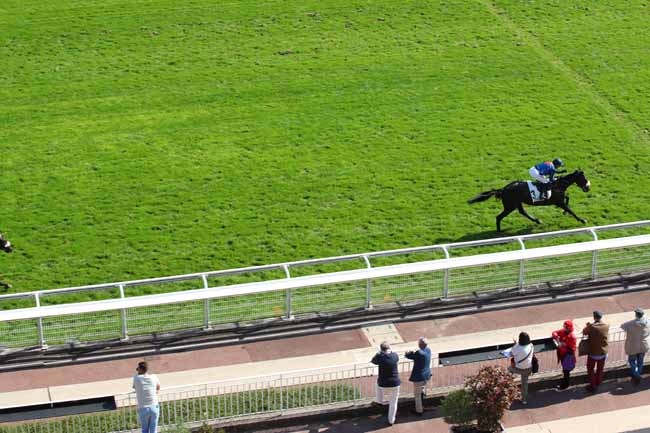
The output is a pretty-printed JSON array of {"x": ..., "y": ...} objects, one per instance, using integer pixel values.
[
  {"x": 568, "y": 362},
  {"x": 583, "y": 347},
  {"x": 535, "y": 365}
]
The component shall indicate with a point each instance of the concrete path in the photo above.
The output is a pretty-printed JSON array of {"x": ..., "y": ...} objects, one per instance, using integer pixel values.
[{"x": 330, "y": 350}]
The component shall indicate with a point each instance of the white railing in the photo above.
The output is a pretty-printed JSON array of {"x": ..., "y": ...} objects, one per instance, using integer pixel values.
[
  {"x": 277, "y": 394},
  {"x": 218, "y": 303}
]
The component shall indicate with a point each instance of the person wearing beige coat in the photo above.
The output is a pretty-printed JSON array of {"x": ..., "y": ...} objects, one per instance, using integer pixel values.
[{"x": 636, "y": 343}]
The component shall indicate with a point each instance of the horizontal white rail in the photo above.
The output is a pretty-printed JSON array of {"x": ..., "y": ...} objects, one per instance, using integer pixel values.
[
  {"x": 360, "y": 256},
  {"x": 323, "y": 279}
]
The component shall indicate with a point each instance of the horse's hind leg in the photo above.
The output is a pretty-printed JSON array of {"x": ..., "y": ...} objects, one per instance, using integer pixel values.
[
  {"x": 502, "y": 215},
  {"x": 527, "y": 215},
  {"x": 5, "y": 285}
]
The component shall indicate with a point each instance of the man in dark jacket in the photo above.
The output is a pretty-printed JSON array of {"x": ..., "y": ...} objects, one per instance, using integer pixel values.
[
  {"x": 421, "y": 372},
  {"x": 388, "y": 379},
  {"x": 597, "y": 334}
]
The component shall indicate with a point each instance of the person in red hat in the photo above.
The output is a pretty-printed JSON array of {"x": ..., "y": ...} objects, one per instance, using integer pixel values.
[{"x": 566, "y": 343}]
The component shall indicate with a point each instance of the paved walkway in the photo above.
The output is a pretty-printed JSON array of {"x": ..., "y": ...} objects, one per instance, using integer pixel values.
[
  {"x": 617, "y": 408},
  {"x": 329, "y": 350}
]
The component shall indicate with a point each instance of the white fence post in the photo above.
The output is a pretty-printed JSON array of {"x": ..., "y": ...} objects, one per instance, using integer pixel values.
[
  {"x": 289, "y": 306},
  {"x": 445, "y": 283},
  {"x": 206, "y": 305},
  {"x": 594, "y": 257},
  {"x": 522, "y": 265},
  {"x": 368, "y": 285},
  {"x": 39, "y": 323},
  {"x": 125, "y": 328}
]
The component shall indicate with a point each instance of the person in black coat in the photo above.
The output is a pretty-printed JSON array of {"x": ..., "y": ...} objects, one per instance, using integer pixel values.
[
  {"x": 421, "y": 372},
  {"x": 388, "y": 381}
]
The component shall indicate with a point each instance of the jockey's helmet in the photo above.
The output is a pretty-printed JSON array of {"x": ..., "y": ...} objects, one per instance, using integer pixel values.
[{"x": 557, "y": 162}]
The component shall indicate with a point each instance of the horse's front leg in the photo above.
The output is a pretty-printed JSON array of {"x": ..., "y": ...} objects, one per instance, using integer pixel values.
[
  {"x": 5, "y": 285},
  {"x": 566, "y": 202},
  {"x": 568, "y": 209}
]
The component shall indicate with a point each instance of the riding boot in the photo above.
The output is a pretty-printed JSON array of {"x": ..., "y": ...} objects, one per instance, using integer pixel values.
[{"x": 543, "y": 191}]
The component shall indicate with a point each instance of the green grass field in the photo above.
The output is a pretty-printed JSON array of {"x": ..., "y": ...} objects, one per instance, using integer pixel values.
[{"x": 146, "y": 138}]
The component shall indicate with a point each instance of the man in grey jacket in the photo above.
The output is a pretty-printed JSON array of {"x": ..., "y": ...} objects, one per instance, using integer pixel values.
[{"x": 636, "y": 343}]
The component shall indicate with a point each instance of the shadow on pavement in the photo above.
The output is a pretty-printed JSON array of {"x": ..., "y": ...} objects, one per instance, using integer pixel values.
[
  {"x": 373, "y": 423},
  {"x": 550, "y": 397}
]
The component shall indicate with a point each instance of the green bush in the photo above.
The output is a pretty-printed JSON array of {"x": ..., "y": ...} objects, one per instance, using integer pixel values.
[{"x": 457, "y": 408}]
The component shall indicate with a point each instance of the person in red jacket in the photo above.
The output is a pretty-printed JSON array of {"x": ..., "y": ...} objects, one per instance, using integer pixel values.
[{"x": 566, "y": 351}]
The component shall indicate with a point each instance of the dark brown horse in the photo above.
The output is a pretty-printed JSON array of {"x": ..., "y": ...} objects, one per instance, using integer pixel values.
[
  {"x": 5, "y": 246},
  {"x": 515, "y": 194}
]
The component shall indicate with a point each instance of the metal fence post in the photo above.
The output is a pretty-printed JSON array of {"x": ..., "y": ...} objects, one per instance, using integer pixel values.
[
  {"x": 39, "y": 324},
  {"x": 594, "y": 257},
  {"x": 206, "y": 305},
  {"x": 445, "y": 283},
  {"x": 288, "y": 307},
  {"x": 281, "y": 396},
  {"x": 522, "y": 265},
  {"x": 368, "y": 285},
  {"x": 125, "y": 329}
]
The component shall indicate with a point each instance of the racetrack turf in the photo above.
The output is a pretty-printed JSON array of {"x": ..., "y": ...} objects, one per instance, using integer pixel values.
[{"x": 150, "y": 138}]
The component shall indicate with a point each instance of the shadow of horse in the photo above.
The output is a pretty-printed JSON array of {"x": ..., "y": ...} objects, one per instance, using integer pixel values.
[{"x": 490, "y": 234}]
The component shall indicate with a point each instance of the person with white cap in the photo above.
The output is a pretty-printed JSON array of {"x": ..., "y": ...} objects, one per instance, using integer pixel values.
[{"x": 636, "y": 343}]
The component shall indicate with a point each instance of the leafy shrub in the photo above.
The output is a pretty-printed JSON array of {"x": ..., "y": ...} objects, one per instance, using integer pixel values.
[{"x": 492, "y": 391}]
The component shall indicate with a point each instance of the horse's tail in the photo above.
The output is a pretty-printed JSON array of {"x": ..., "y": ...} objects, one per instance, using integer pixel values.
[{"x": 486, "y": 195}]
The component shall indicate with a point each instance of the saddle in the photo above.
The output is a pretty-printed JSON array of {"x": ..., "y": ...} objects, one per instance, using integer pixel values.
[{"x": 539, "y": 191}]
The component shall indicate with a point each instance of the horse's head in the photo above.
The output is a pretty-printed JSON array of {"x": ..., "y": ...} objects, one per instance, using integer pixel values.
[
  {"x": 5, "y": 245},
  {"x": 582, "y": 181}
]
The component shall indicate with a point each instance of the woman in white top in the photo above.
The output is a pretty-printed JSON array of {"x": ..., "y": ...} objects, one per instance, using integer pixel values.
[{"x": 522, "y": 362}]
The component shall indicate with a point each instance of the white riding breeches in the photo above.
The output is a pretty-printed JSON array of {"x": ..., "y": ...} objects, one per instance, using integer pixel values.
[{"x": 535, "y": 175}]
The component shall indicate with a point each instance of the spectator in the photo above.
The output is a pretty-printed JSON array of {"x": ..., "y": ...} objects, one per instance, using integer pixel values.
[
  {"x": 636, "y": 343},
  {"x": 421, "y": 372},
  {"x": 388, "y": 380},
  {"x": 146, "y": 390},
  {"x": 522, "y": 362},
  {"x": 565, "y": 341},
  {"x": 596, "y": 333}
]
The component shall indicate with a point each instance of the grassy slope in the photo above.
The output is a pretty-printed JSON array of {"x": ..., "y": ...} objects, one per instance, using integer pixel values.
[{"x": 148, "y": 138}]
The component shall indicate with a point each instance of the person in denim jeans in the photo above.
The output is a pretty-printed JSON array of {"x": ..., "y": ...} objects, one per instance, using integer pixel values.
[
  {"x": 636, "y": 343},
  {"x": 146, "y": 390}
]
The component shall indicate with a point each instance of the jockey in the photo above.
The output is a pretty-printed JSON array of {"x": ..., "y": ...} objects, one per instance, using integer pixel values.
[{"x": 543, "y": 169}]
